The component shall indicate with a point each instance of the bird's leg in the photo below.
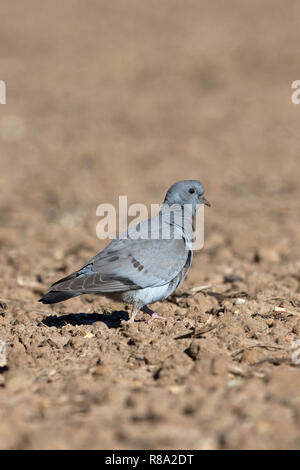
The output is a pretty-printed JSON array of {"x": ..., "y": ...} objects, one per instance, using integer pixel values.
[
  {"x": 133, "y": 314},
  {"x": 154, "y": 315}
]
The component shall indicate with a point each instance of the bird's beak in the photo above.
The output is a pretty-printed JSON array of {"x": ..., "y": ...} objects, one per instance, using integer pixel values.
[{"x": 205, "y": 201}]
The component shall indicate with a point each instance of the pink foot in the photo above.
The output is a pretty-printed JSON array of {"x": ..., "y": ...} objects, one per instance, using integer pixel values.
[
  {"x": 131, "y": 320},
  {"x": 155, "y": 316},
  {"x": 131, "y": 316}
]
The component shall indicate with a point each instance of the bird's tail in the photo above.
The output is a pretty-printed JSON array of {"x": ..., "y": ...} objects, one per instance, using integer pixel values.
[{"x": 53, "y": 297}]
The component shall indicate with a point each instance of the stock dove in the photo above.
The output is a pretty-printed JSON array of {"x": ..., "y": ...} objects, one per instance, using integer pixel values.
[{"x": 146, "y": 263}]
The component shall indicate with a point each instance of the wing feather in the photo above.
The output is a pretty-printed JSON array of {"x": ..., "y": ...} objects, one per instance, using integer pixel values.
[
  {"x": 139, "y": 264},
  {"x": 130, "y": 264}
]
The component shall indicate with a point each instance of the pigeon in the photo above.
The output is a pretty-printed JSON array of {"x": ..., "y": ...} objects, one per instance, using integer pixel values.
[{"x": 144, "y": 264}]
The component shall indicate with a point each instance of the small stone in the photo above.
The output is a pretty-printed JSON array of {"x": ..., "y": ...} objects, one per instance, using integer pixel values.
[
  {"x": 175, "y": 389},
  {"x": 100, "y": 370},
  {"x": 193, "y": 350},
  {"x": 46, "y": 376},
  {"x": 239, "y": 301},
  {"x": 237, "y": 371},
  {"x": 250, "y": 356},
  {"x": 88, "y": 334},
  {"x": 139, "y": 357},
  {"x": 234, "y": 383},
  {"x": 3, "y": 305}
]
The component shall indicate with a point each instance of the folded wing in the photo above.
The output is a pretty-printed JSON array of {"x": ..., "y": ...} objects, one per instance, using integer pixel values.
[{"x": 128, "y": 264}]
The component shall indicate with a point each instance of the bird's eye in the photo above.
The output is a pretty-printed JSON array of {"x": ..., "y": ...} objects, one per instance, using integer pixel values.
[{"x": 191, "y": 191}]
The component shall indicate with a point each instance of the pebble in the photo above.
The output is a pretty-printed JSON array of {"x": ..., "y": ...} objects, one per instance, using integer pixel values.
[
  {"x": 193, "y": 350},
  {"x": 250, "y": 356},
  {"x": 234, "y": 383},
  {"x": 3, "y": 305},
  {"x": 100, "y": 370},
  {"x": 239, "y": 301}
]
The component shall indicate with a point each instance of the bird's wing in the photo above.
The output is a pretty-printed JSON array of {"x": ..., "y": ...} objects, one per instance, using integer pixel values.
[{"x": 128, "y": 264}]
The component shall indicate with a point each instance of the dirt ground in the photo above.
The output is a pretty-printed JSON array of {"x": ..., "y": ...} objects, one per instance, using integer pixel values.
[{"x": 125, "y": 98}]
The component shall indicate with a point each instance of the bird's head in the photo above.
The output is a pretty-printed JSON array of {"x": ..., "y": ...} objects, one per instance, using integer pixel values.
[{"x": 186, "y": 192}]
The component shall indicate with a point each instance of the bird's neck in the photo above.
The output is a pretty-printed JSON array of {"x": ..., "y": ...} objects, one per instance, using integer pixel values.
[{"x": 180, "y": 216}]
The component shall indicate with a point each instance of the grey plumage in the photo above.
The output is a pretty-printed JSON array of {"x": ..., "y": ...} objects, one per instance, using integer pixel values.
[{"x": 141, "y": 266}]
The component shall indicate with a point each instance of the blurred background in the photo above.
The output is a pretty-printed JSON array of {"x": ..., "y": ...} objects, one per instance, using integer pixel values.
[{"x": 109, "y": 98}]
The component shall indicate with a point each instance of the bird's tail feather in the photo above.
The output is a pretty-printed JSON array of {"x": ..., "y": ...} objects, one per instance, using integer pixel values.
[{"x": 53, "y": 297}]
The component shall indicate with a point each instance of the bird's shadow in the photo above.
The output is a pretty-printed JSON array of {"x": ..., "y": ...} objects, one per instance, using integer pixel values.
[{"x": 113, "y": 320}]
